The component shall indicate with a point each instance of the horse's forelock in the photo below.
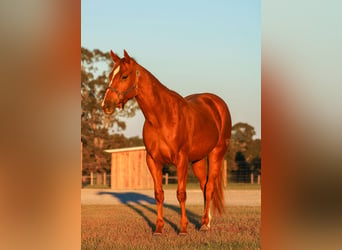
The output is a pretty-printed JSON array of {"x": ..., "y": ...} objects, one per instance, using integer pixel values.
[
  {"x": 128, "y": 61},
  {"x": 123, "y": 65}
]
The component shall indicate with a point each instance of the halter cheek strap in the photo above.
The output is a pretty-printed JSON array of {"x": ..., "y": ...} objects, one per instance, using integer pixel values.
[{"x": 123, "y": 94}]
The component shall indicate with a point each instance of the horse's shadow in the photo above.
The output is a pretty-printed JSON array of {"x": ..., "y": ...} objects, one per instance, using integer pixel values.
[{"x": 133, "y": 200}]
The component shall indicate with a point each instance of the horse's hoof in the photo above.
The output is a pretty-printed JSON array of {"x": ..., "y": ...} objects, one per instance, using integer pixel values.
[
  {"x": 157, "y": 234},
  {"x": 183, "y": 233},
  {"x": 204, "y": 228}
]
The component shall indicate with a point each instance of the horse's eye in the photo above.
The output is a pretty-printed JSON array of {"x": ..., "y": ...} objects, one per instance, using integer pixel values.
[{"x": 124, "y": 77}]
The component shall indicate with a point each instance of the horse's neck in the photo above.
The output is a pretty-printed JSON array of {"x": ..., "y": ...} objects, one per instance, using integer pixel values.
[{"x": 154, "y": 98}]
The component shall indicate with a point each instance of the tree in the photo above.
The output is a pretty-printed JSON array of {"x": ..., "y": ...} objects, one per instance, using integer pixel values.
[
  {"x": 243, "y": 144},
  {"x": 243, "y": 172},
  {"x": 243, "y": 133},
  {"x": 256, "y": 165},
  {"x": 95, "y": 125}
]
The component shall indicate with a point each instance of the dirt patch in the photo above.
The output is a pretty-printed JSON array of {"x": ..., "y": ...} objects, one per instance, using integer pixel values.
[{"x": 194, "y": 197}]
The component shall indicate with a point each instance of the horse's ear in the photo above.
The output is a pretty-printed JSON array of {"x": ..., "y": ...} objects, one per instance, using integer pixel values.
[
  {"x": 127, "y": 57},
  {"x": 115, "y": 58}
]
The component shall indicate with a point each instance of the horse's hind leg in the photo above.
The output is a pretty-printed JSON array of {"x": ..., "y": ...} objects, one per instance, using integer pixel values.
[
  {"x": 213, "y": 185},
  {"x": 200, "y": 171}
]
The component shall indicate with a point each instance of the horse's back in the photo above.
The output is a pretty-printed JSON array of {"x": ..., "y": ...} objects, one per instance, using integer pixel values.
[{"x": 207, "y": 98}]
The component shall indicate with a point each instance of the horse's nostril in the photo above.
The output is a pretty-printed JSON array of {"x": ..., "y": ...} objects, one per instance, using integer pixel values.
[{"x": 107, "y": 107}]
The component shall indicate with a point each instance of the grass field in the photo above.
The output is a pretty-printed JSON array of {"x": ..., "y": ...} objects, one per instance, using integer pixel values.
[{"x": 130, "y": 226}]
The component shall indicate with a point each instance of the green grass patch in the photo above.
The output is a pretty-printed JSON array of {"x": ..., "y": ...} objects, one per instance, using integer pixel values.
[{"x": 130, "y": 226}]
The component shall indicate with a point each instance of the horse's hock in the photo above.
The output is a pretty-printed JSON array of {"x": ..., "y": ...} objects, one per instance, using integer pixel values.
[{"x": 129, "y": 169}]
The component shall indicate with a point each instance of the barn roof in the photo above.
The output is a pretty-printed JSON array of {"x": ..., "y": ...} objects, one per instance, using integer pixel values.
[{"x": 117, "y": 150}]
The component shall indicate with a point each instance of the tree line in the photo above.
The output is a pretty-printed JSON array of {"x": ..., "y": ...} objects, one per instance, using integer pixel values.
[{"x": 243, "y": 155}]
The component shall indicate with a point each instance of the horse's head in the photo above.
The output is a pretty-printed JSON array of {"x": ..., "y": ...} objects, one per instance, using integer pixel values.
[{"x": 123, "y": 81}]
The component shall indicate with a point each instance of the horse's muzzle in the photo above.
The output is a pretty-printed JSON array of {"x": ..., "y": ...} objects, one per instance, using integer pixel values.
[{"x": 108, "y": 108}]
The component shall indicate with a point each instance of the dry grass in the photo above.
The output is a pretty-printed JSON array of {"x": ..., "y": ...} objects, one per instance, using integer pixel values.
[{"x": 130, "y": 226}]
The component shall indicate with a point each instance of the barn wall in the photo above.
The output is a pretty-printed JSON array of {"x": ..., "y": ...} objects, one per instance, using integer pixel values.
[{"x": 129, "y": 170}]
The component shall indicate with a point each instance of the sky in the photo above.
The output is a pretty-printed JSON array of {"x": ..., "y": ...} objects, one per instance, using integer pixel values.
[{"x": 190, "y": 46}]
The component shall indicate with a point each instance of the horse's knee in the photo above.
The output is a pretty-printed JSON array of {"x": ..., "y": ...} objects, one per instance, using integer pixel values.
[
  {"x": 181, "y": 196},
  {"x": 159, "y": 196}
]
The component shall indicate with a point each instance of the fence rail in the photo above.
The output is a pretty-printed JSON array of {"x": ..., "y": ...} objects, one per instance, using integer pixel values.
[
  {"x": 96, "y": 179},
  {"x": 253, "y": 179},
  {"x": 104, "y": 180}
]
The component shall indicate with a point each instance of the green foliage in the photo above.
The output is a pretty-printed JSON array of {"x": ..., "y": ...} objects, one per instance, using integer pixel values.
[{"x": 244, "y": 152}]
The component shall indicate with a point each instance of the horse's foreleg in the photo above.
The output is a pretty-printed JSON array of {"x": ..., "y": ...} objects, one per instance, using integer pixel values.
[
  {"x": 182, "y": 174},
  {"x": 157, "y": 175}
]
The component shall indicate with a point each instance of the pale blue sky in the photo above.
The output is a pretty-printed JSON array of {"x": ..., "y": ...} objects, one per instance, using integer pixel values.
[{"x": 190, "y": 46}]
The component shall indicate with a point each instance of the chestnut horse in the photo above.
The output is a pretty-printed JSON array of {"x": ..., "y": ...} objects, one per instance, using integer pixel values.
[{"x": 176, "y": 131}]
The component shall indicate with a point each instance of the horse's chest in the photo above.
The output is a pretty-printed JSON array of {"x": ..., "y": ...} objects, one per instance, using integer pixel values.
[{"x": 160, "y": 146}]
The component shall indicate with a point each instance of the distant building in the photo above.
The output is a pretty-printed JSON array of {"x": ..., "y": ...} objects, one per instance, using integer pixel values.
[{"x": 129, "y": 169}]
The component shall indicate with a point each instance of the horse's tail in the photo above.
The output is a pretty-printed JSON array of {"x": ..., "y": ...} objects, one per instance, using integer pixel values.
[{"x": 218, "y": 195}]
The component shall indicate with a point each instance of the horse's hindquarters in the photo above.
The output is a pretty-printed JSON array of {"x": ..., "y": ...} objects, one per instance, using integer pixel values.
[{"x": 211, "y": 124}]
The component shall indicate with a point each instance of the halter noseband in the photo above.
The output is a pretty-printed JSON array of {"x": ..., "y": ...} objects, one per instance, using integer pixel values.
[{"x": 122, "y": 95}]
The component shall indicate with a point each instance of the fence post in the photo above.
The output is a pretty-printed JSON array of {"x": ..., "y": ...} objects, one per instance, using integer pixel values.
[
  {"x": 91, "y": 178},
  {"x": 104, "y": 178},
  {"x": 258, "y": 179},
  {"x": 252, "y": 178},
  {"x": 81, "y": 162},
  {"x": 98, "y": 178},
  {"x": 166, "y": 179},
  {"x": 225, "y": 173}
]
